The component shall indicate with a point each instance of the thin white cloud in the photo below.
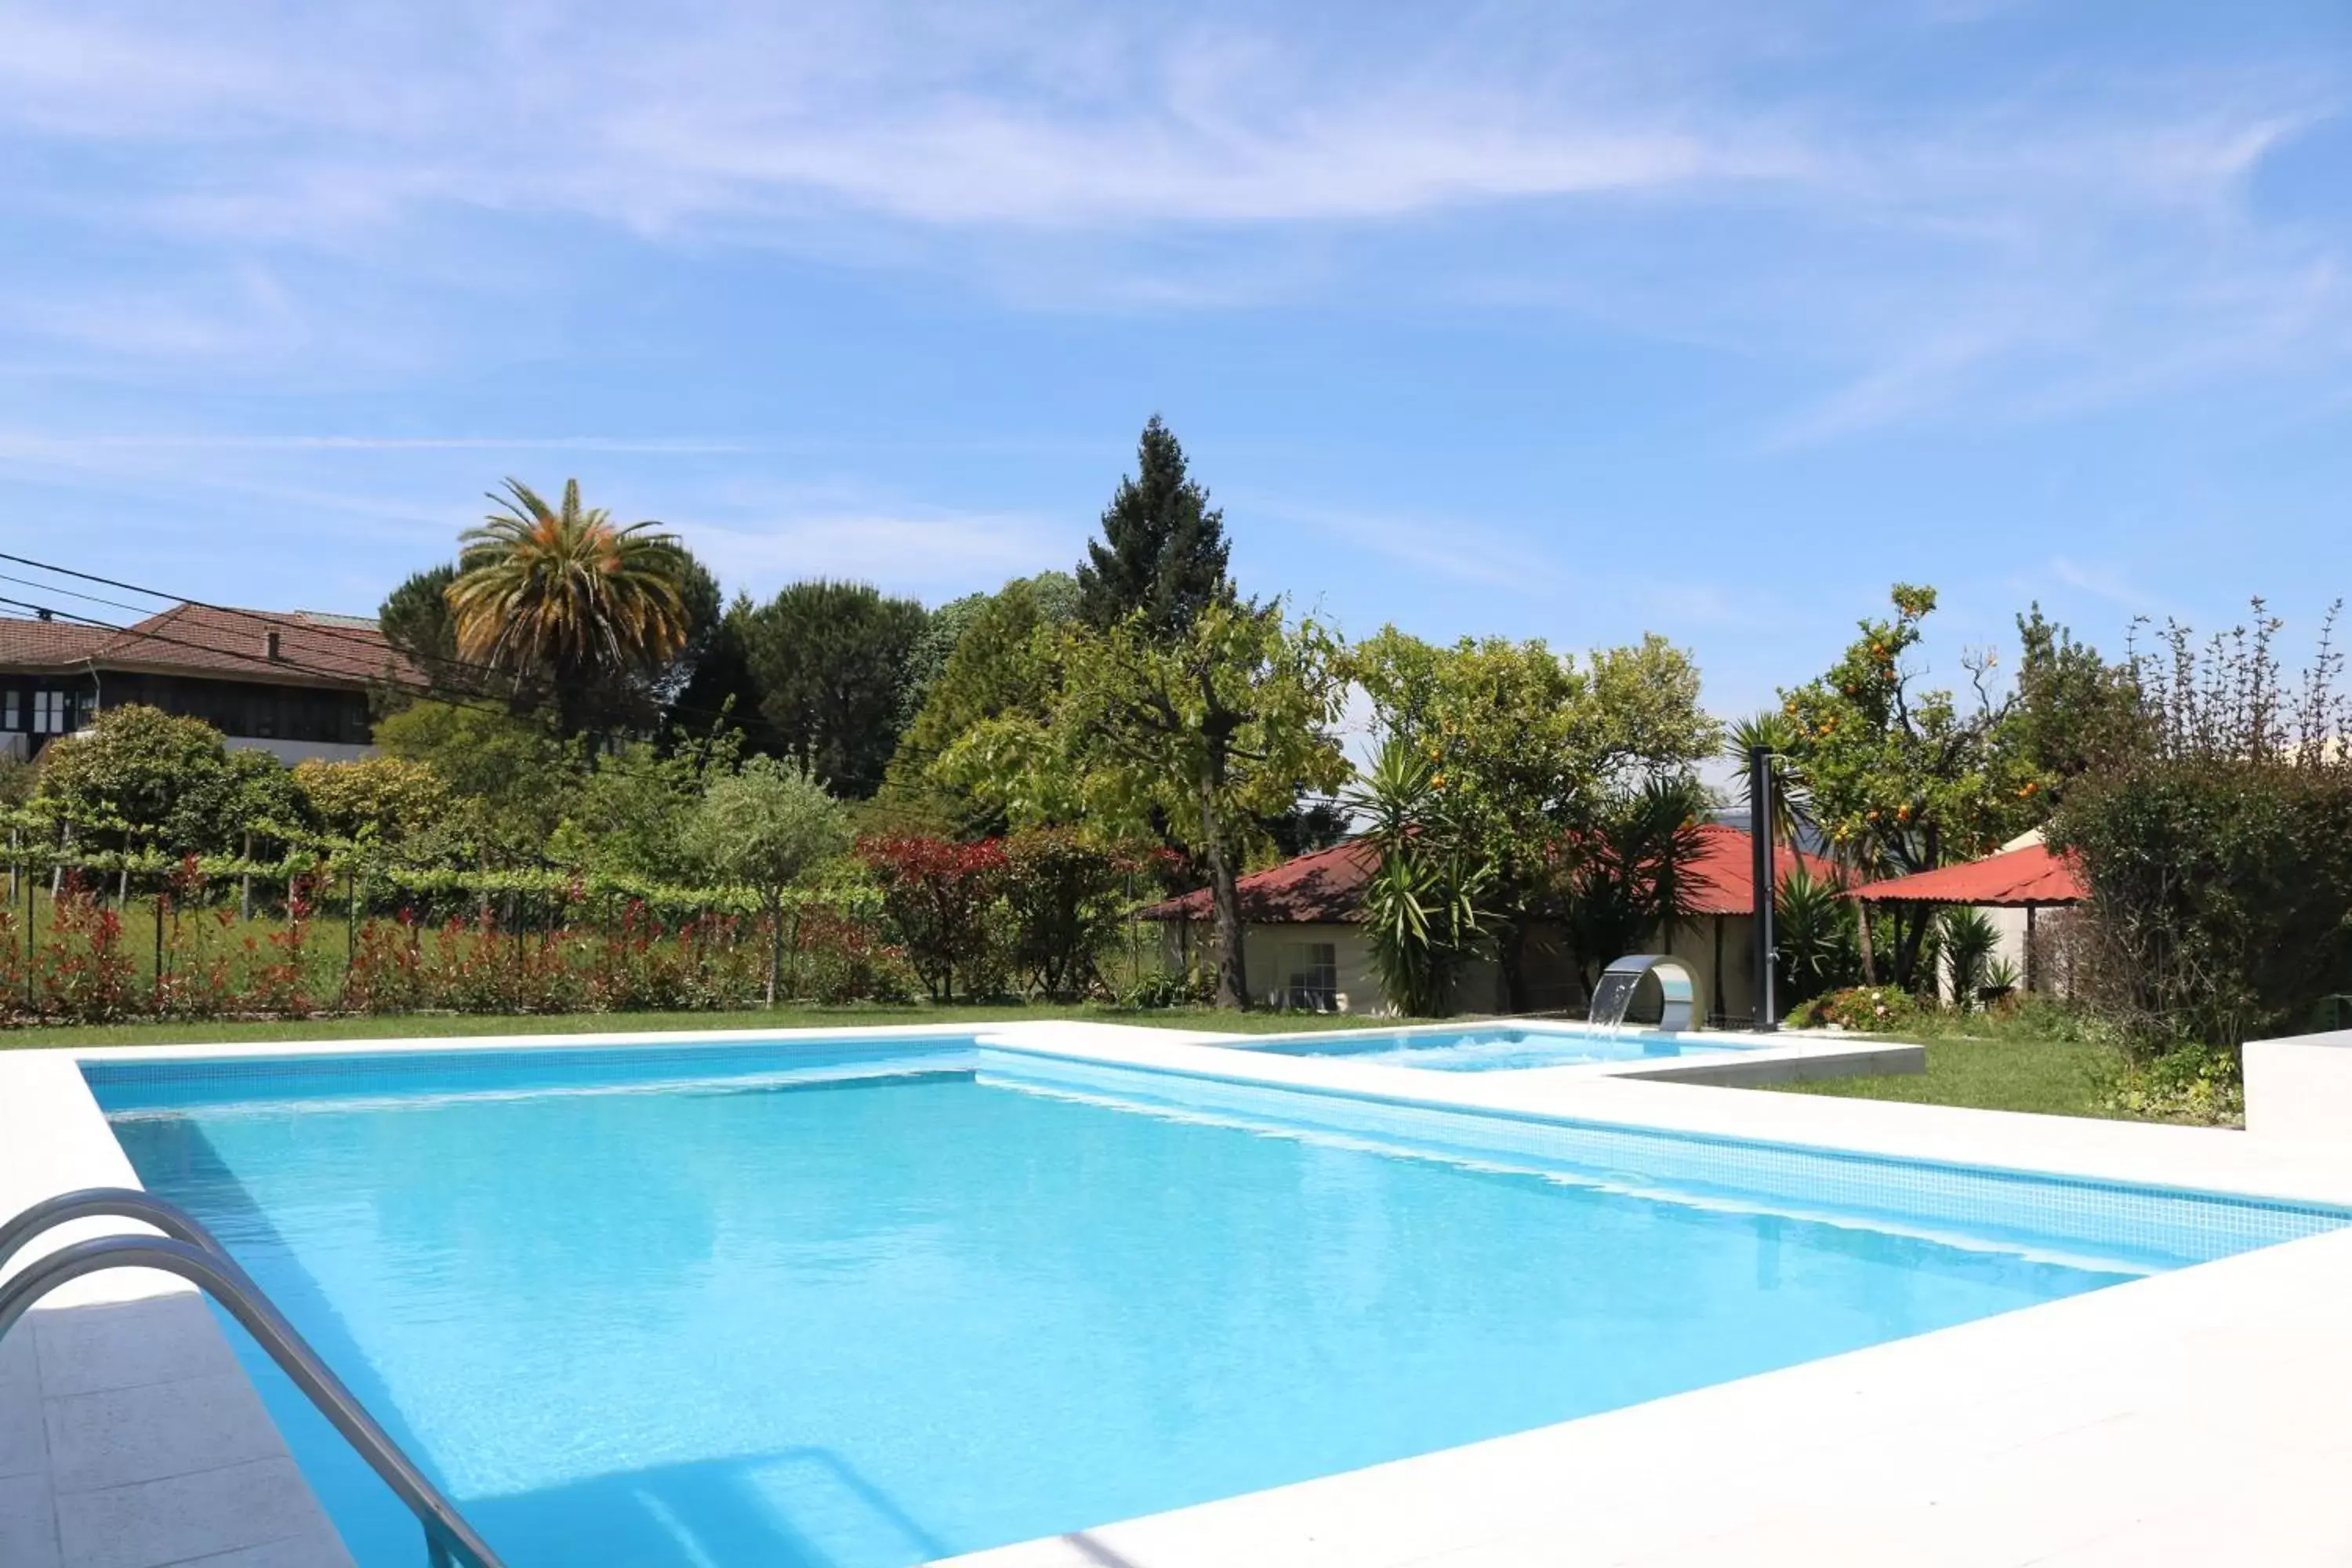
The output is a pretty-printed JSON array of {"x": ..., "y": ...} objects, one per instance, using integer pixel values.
[
  {"x": 2102, "y": 580},
  {"x": 928, "y": 551},
  {"x": 2019, "y": 246},
  {"x": 1454, "y": 548}
]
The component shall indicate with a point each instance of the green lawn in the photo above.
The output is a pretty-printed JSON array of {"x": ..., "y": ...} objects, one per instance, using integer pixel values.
[
  {"x": 1995, "y": 1072},
  {"x": 797, "y": 1017}
]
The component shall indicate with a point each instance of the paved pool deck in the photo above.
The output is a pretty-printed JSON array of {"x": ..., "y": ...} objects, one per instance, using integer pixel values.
[{"x": 2192, "y": 1417}]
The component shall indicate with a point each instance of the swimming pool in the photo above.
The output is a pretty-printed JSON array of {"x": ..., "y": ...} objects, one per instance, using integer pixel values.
[
  {"x": 1497, "y": 1048},
  {"x": 865, "y": 1303}
]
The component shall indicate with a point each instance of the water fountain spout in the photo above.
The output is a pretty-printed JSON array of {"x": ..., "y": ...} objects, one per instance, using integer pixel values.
[{"x": 1613, "y": 997}]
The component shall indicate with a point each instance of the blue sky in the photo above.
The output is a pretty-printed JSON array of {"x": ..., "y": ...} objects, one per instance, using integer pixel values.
[{"x": 1570, "y": 319}]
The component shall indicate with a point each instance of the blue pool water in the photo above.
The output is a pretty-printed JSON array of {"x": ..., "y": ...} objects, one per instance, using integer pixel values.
[
  {"x": 859, "y": 1307},
  {"x": 1495, "y": 1047}
]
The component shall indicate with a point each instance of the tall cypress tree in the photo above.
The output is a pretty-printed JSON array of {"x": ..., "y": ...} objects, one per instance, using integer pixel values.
[{"x": 1164, "y": 546}]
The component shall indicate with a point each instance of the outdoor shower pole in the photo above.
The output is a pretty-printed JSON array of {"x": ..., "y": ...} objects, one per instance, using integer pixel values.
[{"x": 1759, "y": 832}]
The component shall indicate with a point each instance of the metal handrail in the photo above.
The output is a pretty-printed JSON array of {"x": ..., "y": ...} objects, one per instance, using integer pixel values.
[
  {"x": 193, "y": 1254},
  {"x": 113, "y": 1202}
]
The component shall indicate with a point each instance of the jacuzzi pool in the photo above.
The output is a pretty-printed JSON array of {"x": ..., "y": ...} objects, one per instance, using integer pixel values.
[
  {"x": 866, "y": 1304},
  {"x": 1496, "y": 1047}
]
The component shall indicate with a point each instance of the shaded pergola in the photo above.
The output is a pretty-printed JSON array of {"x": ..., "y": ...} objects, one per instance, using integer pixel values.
[{"x": 2030, "y": 878}]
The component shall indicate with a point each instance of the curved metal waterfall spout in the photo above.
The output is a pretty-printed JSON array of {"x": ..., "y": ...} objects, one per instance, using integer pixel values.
[{"x": 1614, "y": 994}]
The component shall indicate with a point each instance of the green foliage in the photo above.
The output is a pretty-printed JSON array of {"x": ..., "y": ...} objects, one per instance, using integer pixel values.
[
  {"x": 1631, "y": 874},
  {"x": 1775, "y": 729},
  {"x": 384, "y": 800},
  {"x": 1424, "y": 913},
  {"x": 765, "y": 827},
  {"x": 1066, "y": 900},
  {"x": 721, "y": 691},
  {"x": 2221, "y": 893},
  {"x": 832, "y": 664},
  {"x": 416, "y": 618},
  {"x": 1197, "y": 737},
  {"x": 1865, "y": 1009},
  {"x": 1532, "y": 757},
  {"x": 511, "y": 778},
  {"x": 633, "y": 811},
  {"x": 1968, "y": 938},
  {"x": 1814, "y": 926},
  {"x": 1000, "y": 668},
  {"x": 140, "y": 777},
  {"x": 2219, "y": 857},
  {"x": 2075, "y": 712},
  {"x": 2194, "y": 1084},
  {"x": 1899, "y": 778},
  {"x": 1162, "y": 555}
]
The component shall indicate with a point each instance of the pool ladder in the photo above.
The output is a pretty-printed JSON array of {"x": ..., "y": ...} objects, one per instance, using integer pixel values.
[{"x": 187, "y": 1249}]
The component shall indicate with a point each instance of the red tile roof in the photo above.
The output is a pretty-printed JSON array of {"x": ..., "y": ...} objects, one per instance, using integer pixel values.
[
  {"x": 2013, "y": 880},
  {"x": 49, "y": 642},
  {"x": 1316, "y": 887},
  {"x": 1327, "y": 886},
  {"x": 1725, "y": 877},
  {"x": 312, "y": 649}
]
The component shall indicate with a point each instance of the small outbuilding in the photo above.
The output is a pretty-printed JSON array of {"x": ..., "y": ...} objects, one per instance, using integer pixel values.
[
  {"x": 2011, "y": 887},
  {"x": 1304, "y": 946}
]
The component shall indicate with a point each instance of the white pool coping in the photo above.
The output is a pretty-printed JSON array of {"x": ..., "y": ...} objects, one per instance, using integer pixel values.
[{"x": 2187, "y": 1418}]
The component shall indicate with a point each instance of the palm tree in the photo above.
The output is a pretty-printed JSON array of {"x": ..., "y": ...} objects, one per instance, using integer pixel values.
[
  {"x": 565, "y": 599},
  {"x": 1631, "y": 875},
  {"x": 1776, "y": 731}
]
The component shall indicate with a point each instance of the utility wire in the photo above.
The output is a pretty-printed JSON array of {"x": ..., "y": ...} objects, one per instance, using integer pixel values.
[{"x": 475, "y": 704}]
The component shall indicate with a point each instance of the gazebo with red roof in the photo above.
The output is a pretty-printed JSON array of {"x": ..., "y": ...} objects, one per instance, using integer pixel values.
[{"x": 2029, "y": 877}]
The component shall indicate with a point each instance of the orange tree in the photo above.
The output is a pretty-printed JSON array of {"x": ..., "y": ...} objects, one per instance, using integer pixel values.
[
  {"x": 1533, "y": 760},
  {"x": 1901, "y": 778}
]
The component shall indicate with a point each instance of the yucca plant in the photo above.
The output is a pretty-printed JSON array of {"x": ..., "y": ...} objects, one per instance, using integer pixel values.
[
  {"x": 566, "y": 601},
  {"x": 1814, "y": 927},
  {"x": 1968, "y": 939},
  {"x": 1423, "y": 910},
  {"x": 1630, "y": 878}
]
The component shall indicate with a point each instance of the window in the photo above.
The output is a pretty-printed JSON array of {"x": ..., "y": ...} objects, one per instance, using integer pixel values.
[
  {"x": 51, "y": 713},
  {"x": 1310, "y": 975},
  {"x": 12, "y": 714}
]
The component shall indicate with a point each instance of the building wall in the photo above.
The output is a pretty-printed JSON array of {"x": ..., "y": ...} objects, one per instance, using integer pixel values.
[
  {"x": 1724, "y": 993},
  {"x": 294, "y": 722},
  {"x": 249, "y": 709}
]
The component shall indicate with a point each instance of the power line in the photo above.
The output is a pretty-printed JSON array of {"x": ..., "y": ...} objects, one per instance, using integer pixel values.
[
  {"x": 282, "y": 663},
  {"x": 376, "y": 643},
  {"x": 322, "y": 628}
]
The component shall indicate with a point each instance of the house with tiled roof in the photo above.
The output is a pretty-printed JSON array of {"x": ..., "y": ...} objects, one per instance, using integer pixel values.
[
  {"x": 1304, "y": 945},
  {"x": 293, "y": 683}
]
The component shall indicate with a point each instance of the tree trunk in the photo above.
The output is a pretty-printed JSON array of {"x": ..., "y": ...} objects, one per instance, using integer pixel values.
[
  {"x": 1511, "y": 963},
  {"x": 1862, "y": 939},
  {"x": 1225, "y": 903},
  {"x": 775, "y": 949}
]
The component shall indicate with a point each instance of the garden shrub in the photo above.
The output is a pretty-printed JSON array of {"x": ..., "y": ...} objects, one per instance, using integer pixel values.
[
  {"x": 1867, "y": 1009},
  {"x": 1169, "y": 988},
  {"x": 84, "y": 972},
  {"x": 2221, "y": 894},
  {"x": 840, "y": 956},
  {"x": 1064, "y": 903},
  {"x": 942, "y": 898}
]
